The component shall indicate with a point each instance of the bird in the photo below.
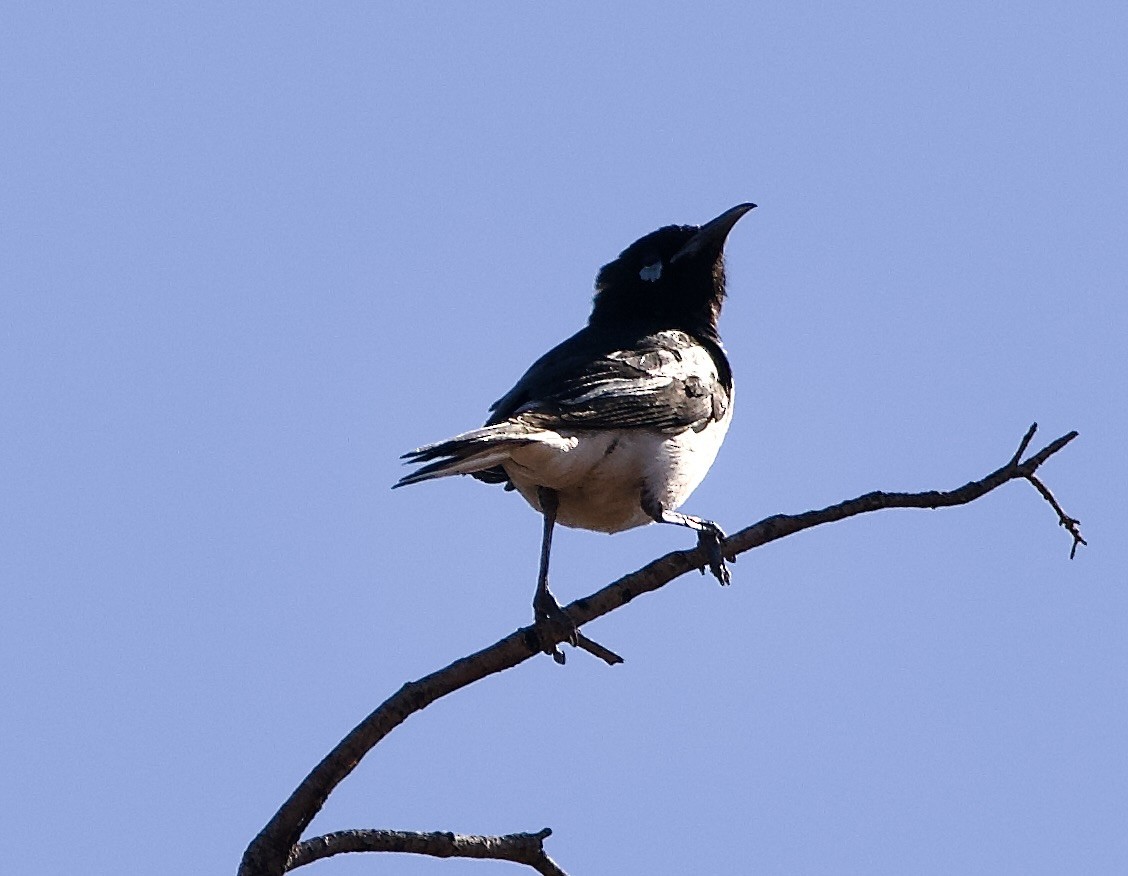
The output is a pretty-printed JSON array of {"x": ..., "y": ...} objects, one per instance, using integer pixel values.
[{"x": 616, "y": 426}]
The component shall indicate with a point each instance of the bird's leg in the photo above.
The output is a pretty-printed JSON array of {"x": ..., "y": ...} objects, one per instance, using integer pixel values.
[
  {"x": 546, "y": 610},
  {"x": 549, "y": 616},
  {"x": 709, "y": 535}
]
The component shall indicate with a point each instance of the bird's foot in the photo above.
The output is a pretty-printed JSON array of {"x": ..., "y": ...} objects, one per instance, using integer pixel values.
[
  {"x": 709, "y": 538},
  {"x": 553, "y": 625}
]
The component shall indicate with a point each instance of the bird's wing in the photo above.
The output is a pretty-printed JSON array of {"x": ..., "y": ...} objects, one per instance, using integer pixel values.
[{"x": 667, "y": 381}]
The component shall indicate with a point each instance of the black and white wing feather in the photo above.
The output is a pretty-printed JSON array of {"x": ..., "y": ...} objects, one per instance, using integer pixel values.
[{"x": 667, "y": 381}]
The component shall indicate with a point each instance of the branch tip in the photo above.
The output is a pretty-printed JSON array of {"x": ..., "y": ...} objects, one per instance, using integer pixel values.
[{"x": 1026, "y": 439}]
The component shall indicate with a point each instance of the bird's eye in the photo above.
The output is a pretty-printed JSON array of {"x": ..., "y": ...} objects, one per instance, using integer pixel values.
[{"x": 651, "y": 272}]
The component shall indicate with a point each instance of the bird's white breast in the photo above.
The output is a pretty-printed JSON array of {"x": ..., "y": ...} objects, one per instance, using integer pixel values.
[{"x": 601, "y": 475}]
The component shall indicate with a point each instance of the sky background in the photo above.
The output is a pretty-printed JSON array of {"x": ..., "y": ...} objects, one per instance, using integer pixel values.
[{"x": 251, "y": 253}]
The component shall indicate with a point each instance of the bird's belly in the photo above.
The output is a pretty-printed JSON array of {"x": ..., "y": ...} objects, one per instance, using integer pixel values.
[{"x": 600, "y": 477}]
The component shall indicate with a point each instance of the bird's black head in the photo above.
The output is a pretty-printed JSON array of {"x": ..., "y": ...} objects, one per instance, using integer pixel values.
[{"x": 674, "y": 278}]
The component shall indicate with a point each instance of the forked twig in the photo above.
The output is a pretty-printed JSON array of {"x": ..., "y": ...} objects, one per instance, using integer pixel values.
[{"x": 1071, "y": 524}]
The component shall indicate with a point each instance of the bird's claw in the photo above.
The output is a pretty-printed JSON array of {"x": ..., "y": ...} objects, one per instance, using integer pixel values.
[
  {"x": 710, "y": 539},
  {"x": 553, "y": 626}
]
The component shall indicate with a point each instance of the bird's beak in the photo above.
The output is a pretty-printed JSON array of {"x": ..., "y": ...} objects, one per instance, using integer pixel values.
[{"x": 712, "y": 234}]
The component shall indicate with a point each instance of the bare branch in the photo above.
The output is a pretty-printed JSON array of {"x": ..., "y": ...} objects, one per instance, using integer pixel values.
[
  {"x": 276, "y": 846},
  {"x": 520, "y": 848}
]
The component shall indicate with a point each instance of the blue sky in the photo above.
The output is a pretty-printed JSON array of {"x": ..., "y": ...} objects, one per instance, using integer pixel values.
[{"x": 249, "y": 255}]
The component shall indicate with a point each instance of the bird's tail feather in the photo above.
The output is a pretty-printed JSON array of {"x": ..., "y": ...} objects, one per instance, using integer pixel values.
[{"x": 469, "y": 452}]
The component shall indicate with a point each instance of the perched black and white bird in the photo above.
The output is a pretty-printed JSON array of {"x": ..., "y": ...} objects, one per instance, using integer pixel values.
[{"x": 616, "y": 426}]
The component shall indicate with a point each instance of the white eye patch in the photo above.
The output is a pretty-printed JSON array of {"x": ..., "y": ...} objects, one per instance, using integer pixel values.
[{"x": 651, "y": 272}]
